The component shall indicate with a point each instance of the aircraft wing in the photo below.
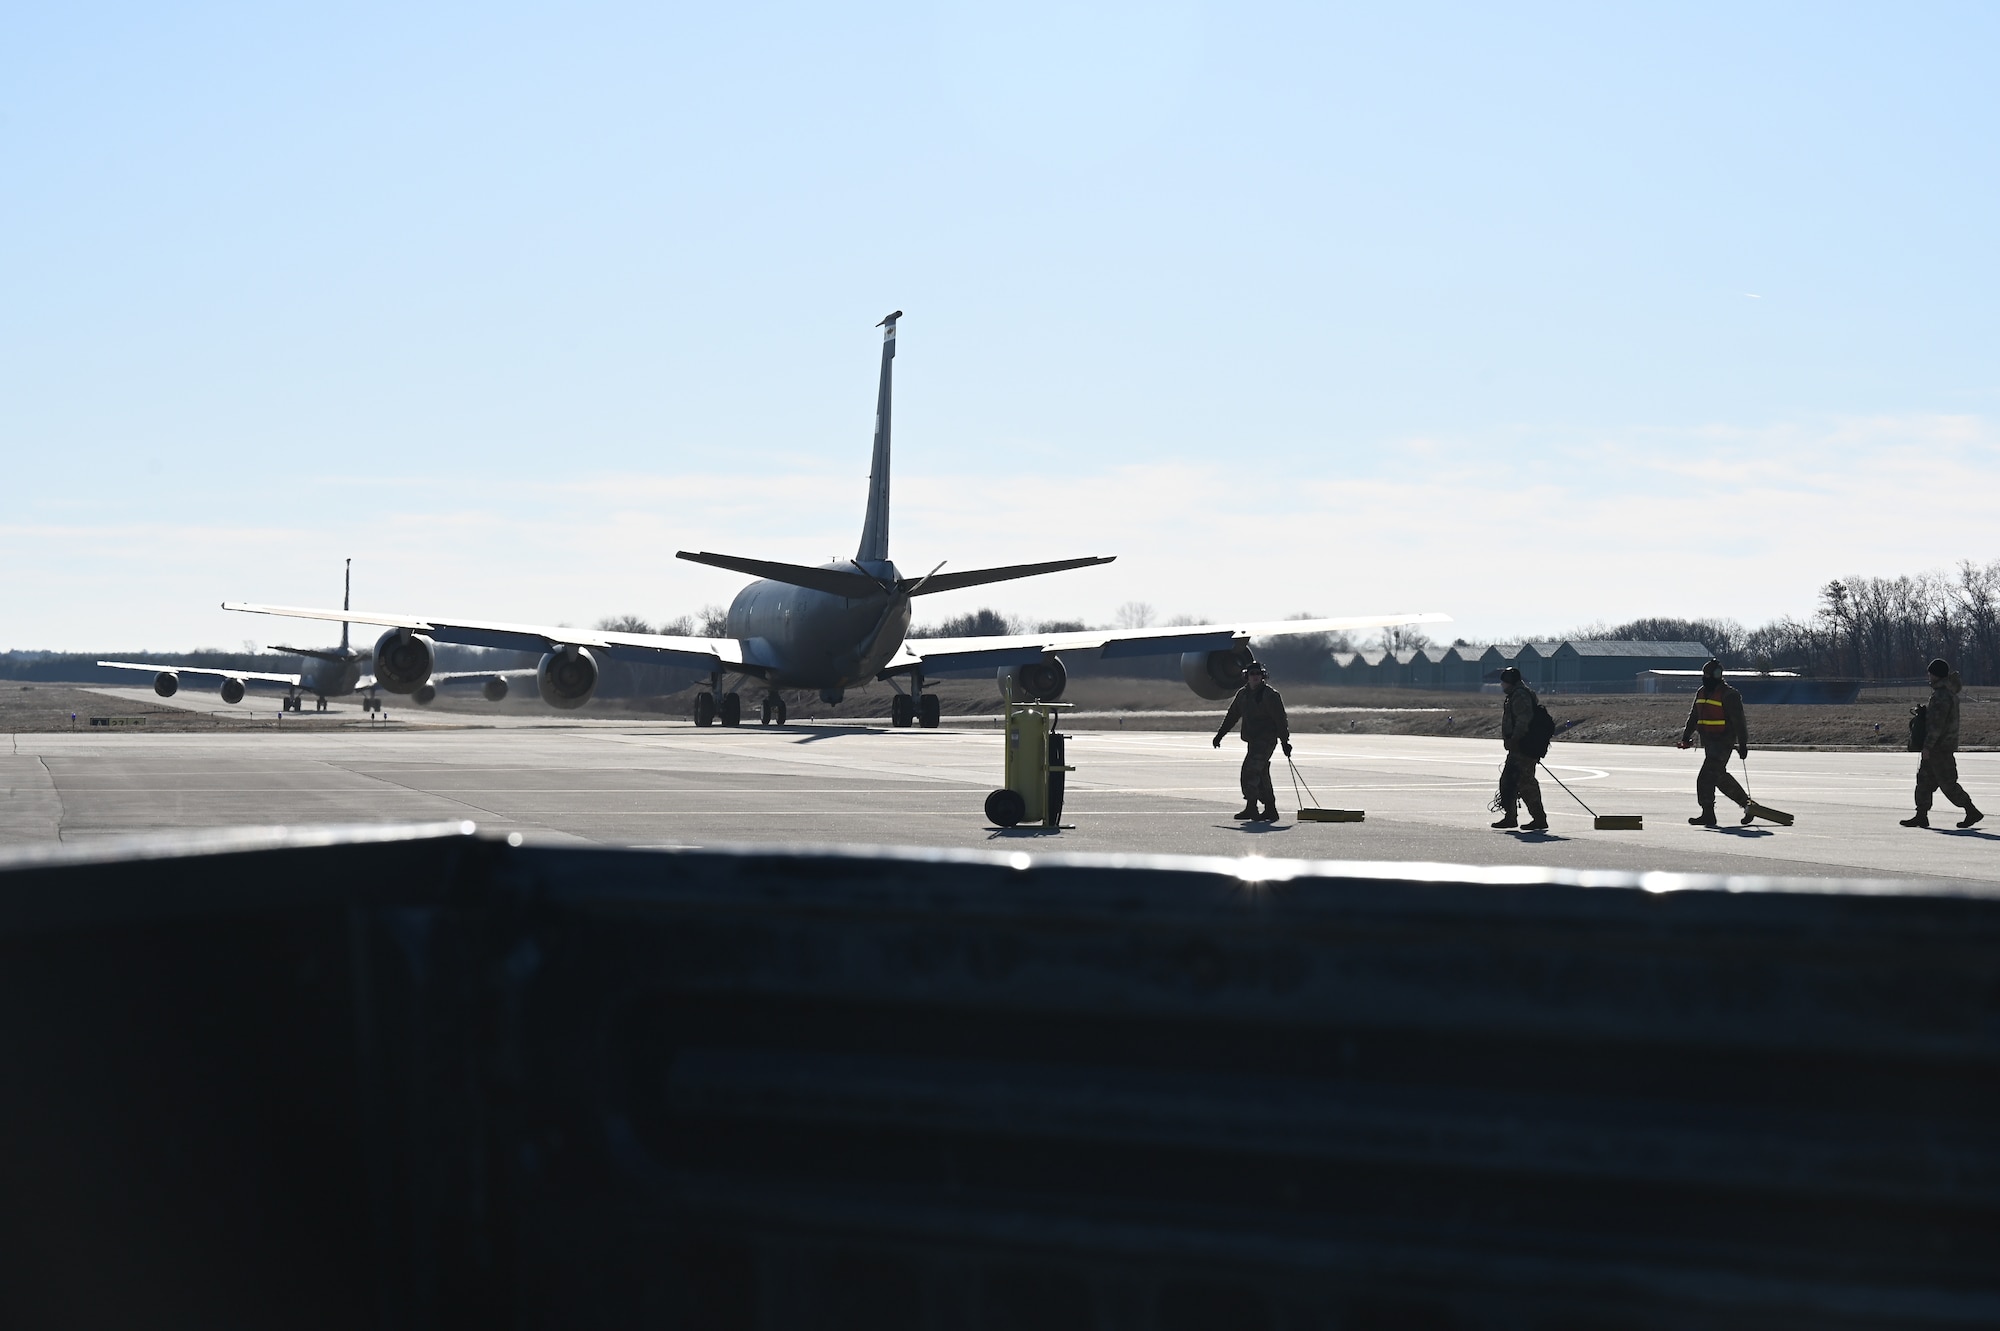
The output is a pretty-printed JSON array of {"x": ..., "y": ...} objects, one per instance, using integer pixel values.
[
  {"x": 649, "y": 648},
  {"x": 940, "y": 655},
  {"x": 247, "y": 676}
]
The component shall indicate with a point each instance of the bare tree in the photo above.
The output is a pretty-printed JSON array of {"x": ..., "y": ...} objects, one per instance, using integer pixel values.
[
  {"x": 714, "y": 621},
  {"x": 975, "y": 624},
  {"x": 1134, "y": 615},
  {"x": 1404, "y": 638},
  {"x": 625, "y": 624},
  {"x": 681, "y": 626}
]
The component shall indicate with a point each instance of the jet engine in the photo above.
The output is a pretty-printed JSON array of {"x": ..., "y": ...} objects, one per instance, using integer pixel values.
[
  {"x": 567, "y": 678},
  {"x": 494, "y": 689},
  {"x": 1037, "y": 681},
  {"x": 232, "y": 690},
  {"x": 404, "y": 660},
  {"x": 166, "y": 683},
  {"x": 424, "y": 694},
  {"x": 1215, "y": 675}
]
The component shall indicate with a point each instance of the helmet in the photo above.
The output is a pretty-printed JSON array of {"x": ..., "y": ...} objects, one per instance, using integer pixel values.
[
  {"x": 1511, "y": 675},
  {"x": 1712, "y": 669},
  {"x": 1940, "y": 667}
]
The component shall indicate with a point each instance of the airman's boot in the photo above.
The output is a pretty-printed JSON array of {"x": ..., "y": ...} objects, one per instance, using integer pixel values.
[
  {"x": 1922, "y": 819},
  {"x": 1270, "y": 814},
  {"x": 1706, "y": 818},
  {"x": 1508, "y": 819},
  {"x": 1972, "y": 815},
  {"x": 1248, "y": 813}
]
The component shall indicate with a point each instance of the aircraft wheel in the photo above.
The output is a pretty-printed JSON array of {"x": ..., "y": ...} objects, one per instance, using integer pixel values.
[
  {"x": 732, "y": 709},
  {"x": 777, "y": 711},
  {"x": 1005, "y": 807},
  {"x": 902, "y": 709},
  {"x": 704, "y": 709},
  {"x": 929, "y": 711}
]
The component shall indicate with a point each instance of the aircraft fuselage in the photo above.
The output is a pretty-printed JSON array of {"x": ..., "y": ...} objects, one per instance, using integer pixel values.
[
  {"x": 329, "y": 679},
  {"x": 811, "y": 639}
]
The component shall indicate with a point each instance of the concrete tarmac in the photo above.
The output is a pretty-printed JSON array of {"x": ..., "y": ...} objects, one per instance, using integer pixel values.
[{"x": 669, "y": 784}]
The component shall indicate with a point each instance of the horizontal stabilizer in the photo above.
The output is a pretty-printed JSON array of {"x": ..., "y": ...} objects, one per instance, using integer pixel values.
[
  {"x": 831, "y": 580},
  {"x": 316, "y": 654},
  {"x": 979, "y": 577}
]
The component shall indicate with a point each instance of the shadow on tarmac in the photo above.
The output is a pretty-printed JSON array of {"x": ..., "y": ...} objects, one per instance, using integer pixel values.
[
  {"x": 819, "y": 733},
  {"x": 1258, "y": 829},
  {"x": 1752, "y": 832}
]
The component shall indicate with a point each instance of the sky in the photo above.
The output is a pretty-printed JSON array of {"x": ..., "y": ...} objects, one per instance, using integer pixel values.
[{"x": 1535, "y": 315}]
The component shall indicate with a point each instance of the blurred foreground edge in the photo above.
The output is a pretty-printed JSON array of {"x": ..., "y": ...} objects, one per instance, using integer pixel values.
[{"x": 417, "y": 1077}]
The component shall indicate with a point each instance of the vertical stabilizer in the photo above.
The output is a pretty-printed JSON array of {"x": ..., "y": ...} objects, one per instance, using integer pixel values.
[
  {"x": 346, "y": 600},
  {"x": 875, "y": 530}
]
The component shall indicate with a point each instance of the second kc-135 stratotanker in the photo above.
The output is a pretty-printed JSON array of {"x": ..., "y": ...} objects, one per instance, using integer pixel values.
[
  {"x": 830, "y": 628},
  {"x": 331, "y": 672}
]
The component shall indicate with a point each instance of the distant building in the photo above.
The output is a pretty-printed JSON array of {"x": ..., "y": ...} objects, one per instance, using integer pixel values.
[
  {"x": 1458, "y": 667},
  {"x": 1610, "y": 666},
  {"x": 1759, "y": 686},
  {"x": 1416, "y": 668}
]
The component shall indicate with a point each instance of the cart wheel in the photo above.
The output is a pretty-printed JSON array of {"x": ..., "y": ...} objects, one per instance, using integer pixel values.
[{"x": 1005, "y": 808}]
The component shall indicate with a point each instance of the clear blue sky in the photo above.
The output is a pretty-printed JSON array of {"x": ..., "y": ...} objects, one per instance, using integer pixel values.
[{"x": 1535, "y": 315}]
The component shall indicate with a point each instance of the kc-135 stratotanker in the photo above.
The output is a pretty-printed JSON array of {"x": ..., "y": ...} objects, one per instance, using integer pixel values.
[
  {"x": 329, "y": 672},
  {"x": 831, "y": 628}
]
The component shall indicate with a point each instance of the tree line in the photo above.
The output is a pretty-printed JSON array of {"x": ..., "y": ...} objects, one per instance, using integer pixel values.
[{"x": 1864, "y": 628}]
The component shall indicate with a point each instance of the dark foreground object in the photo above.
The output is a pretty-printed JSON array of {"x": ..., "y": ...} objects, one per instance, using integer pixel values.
[{"x": 421, "y": 1080}]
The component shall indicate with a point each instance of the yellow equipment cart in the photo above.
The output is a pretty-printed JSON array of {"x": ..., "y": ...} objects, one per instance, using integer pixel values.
[{"x": 1035, "y": 768}]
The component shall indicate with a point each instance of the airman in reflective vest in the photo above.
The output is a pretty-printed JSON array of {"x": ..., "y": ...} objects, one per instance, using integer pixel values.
[{"x": 1717, "y": 720}]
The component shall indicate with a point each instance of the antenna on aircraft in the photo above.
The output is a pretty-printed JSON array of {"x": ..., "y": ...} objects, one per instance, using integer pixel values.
[{"x": 346, "y": 599}]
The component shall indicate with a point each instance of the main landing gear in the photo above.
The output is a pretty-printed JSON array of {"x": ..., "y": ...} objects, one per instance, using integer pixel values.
[
  {"x": 715, "y": 705},
  {"x": 915, "y": 706},
  {"x": 774, "y": 710}
]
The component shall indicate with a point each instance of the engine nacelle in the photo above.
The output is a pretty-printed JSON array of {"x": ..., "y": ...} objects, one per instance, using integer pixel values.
[
  {"x": 232, "y": 691},
  {"x": 404, "y": 660},
  {"x": 567, "y": 678},
  {"x": 494, "y": 689},
  {"x": 1214, "y": 675},
  {"x": 424, "y": 694},
  {"x": 166, "y": 683},
  {"x": 1036, "y": 681}
]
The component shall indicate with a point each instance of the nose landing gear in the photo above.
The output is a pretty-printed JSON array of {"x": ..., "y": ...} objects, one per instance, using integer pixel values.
[{"x": 774, "y": 710}]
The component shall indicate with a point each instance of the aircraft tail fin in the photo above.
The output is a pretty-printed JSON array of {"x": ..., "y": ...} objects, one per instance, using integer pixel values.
[
  {"x": 979, "y": 577},
  {"x": 875, "y": 528}
]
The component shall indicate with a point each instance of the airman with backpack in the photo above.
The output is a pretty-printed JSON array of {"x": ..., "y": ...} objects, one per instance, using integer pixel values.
[
  {"x": 1526, "y": 743},
  {"x": 1934, "y": 734}
]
